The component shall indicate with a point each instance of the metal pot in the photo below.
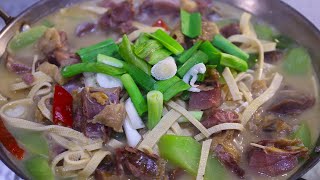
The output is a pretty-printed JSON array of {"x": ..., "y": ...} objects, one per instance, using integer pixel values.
[{"x": 283, "y": 17}]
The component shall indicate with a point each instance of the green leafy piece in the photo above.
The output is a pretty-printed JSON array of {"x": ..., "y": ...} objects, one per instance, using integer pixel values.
[
  {"x": 158, "y": 55},
  {"x": 167, "y": 41},
  {"x": 196, "y": 58},
  {"x": 143, "y": 37},
  {"x": 140, "y": 77},
  {"x": 136, "y": 97},
  {"x": 75, "y": 69},
  {"x": 185, "y": 153},
  {"x": 163, "y": 85},
  {"x": 297, "y": 62},
  {"x": 126, "y": 52},
  {"x": 226, "y": 22},
  {"x": 195, "y": 114},
  {"x": 90, "y": 53},
  {"x": 145, "y": 49},
  {"x": 304, "y": 134},
  {"x": 284, "y": 42},
  {"x": 177, "y": 88},
  {"x": 111, "y": 61},
  {"x": 155, "y": 107},
  {"x": 48, "y": 23},
  {"x": 234, "y": 62},
  {"x": 185, "y": 96},
  {"x": 264, "y": 32},
  {"x": 38, "y": 168},
  {"x": 191, "y": 24},
  {"x": 226, "y": 46},
  {"x": 34, "y": 142},
  {"x": 213, "y": 53},
  {"x": 26, "y": 38},
  {"x": 188, "y": 53}
]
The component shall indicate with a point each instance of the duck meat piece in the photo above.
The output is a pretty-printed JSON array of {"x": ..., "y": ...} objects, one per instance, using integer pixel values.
[
  {"x": 106, "y": 169},
  {"x": 97, "y": 131},
  {"x": 53, "y": 71},
  {"x": 91, "y": 96},
  {"x": 205, "y": 99},
  {"x": 85, "y": 28},
  {"x": 140, "y": 164},
  {"x": 73, "y": 85},
  {"x": 28, "y": 78},
  {"x": 291, "y": 102},
  {"x": 51, "y": 40},
  {"x": 273, "y": 56},
  {"x": 277, "y": 157},
  {"x": 229, "y": 161},
  {"x": 160, "y": 7},
  {"x": 209, "y": 30},
  {"x": 214, "y": 117},
  {"x": 230, "y": 30},
  {"x": 16, "y": 66},
  {"x": 112, "y": 116},
  {"x": 118, "y": 18}
]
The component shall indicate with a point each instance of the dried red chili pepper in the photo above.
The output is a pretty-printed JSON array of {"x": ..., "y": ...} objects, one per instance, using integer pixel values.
[{"x": 62, "y": 107}]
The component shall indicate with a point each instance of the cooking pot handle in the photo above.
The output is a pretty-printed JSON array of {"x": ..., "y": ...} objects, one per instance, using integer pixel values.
[{"x": 7, "y": 19}]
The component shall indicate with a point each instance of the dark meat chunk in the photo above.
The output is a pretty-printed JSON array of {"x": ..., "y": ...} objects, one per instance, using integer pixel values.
[
  {"x": 160, "y": 7},
  {"x": 258, "y": 87},
  {"x": 276, "y": 126},
  {"x": 273, "y": 57},
  {"x": 227, "y": 159},
  {"x": 96, "y": 131},
  {"x": 91, "y": 106},
  {"x": 17, "y": 66},
  {"x": 140, "y": 164},
  {"x": 28, "y": 78},
  {"x": 205, "y": 99},
  {"x": 230, "y": 30},
  {"x": 277, "y": 157},
  {"x": 112, "y": 116},
  {"x": 85, "y": 28},
  {"x": 291, "y": 102},
  {"x": 118, "y": 18},
  {"x": 106, "y": 169},
  {"x": 209, "y": 30},
  {"x": 52, "y": 71},
  {"x": 214, "y": 117}
]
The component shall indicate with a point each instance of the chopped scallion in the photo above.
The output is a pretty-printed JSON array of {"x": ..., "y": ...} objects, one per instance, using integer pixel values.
[
  {"x": 196, "y": 58},
  {"x": 141, "y": 78},
  {"x": 188, "y": 53},
  {"x": 191, "y": 24},
  {"x": 167, "y": 41},
  {"x": 155, "y": 106},
  {"x": 212, "y": 52},
  {"x": 109, "y": 61},
  {"x": 233, "y": 62}
]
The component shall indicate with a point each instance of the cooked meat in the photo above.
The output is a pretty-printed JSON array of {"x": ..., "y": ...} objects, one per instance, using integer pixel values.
[
  {"x": 112, "y": 116},
  {"x": 96, "y": 131},
  {"x": 189, "y": 5},
  {"x": 230, "y": 30},
  {"x": 258, "y": 87},
  {"x": 176, "y": 33},
  {"x": 100, "y": 97},
  {"x": 273, "y": 57},
  {"x": 51, "y": 40},
  {"x": 228, "y": 160},
  {"x": 209, "y": 30},
  {"x": 28, "y": 78},
  {"x": 16, "y": 66},
  {"x": 160, "y": 7},
  {"x": 275, "y": 126},
  {"x": 62, "y": 58},
  {"x": 278, "y": 156},
  {"x": 214, "y": 117},
  {"x": 73, "y": 85},
  {"x": 205, "y": 99},
  {"x": 140, "y": 164},
  {"x": 118, "y": 18},
  {"x": 85, "y": 28},
  {"x": 106, "y": 169},
  {"x": 291, "y": 102},
  {"x": 53, "y": 71}
]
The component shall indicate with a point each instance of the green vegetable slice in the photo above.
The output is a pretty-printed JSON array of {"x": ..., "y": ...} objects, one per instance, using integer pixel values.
[
  {"x": 155, "y": 106},
  {"x": 188, "y": 53},
  {"x": 26, "y": 38},
  {"x": 158, "y": 55},
  {"x": 141, "y": 78},
  {"x": 90, "y": 53},
  {"x": 304, "y": 134},
  {"x": 196, "y": 58},
  {"x": 264, "y": 32},
  {"x": 297, "y": 62},
  {"x": 234, "y": 62},
  {"x": 191, "y": 24},
  {"x": 145, "y": 49},
  {"x": 111, "y": 61},
  {"x": 126, "y": 52},
  {"x": 179, "y": 87},
  {"x": 185, "y": 152},
  {"x": 212, "y": 52},
  {"x": 38, "y": 168},
  {"x": 167, "y": 41},
  {"x": 34, "y": 142},
  {"x": 136, "y": 97}
]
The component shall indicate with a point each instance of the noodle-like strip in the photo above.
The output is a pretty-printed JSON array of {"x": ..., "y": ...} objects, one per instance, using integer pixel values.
[
  {"x": 219, "y": 128},
  {"x": 186, "y": 114},
  {"x": 35, "y": 60},
  {"x": 43, "y": 108},
  {"x": 203, "y": 158},
  {"x": 38, "y": 76},
  {"x": 245, "y": 91},
  {"x": 246, "y": 26},
  {"x": 176, "y": 128},
  {"x": 161, "y": 128},
  {"x": 42, "y": 88},
  {"x": 232, "y": 85},
  {"x": 264, "y": 97}
]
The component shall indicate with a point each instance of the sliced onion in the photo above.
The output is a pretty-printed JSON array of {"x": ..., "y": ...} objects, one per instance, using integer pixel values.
[
  {"x": 164, "y": 69},
  {"x": 134, "y": 118},
  {"x": 15, "y": 112},
  {"x": 133, "y": 136},
  {"x": 107, "y": 81}
]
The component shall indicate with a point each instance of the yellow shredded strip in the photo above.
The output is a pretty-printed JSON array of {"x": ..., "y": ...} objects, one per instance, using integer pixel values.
[
  {"x": 219, "y": 128},
  {"x": 161, "y": 128},
  {"x": 264, "y": 97},
  {"x": 246, "y": 26},
  {"x": 176, "y": 128},
  {"x": 245, "y": 91},
  {"x": 204, "y": 158},
  {"x": 43, "y": 108},
  {"x": 232, "y": 84}
]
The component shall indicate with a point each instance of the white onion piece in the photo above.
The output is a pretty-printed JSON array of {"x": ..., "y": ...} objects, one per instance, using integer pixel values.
[
  {"x": 15, "y": 112},
  {"x": 107, "y": 81},
  {"x": 164, "y": 69},
  {"x": 133, "y": 136},
  {"x": 90, "y": 80},
  {"x": 134, "y": 118},
  {"x": 192, "y": 75}
]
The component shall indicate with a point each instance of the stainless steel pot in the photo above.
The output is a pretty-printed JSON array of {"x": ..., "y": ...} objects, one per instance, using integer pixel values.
[{"x": 275, "y": 12}]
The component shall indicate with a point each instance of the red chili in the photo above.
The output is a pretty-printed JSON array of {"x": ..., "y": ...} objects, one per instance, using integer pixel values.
[
  {"x": 9, "y": 142},
  {"x": 161, "y": 23},
  {"x": 62, "y": 107}
]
